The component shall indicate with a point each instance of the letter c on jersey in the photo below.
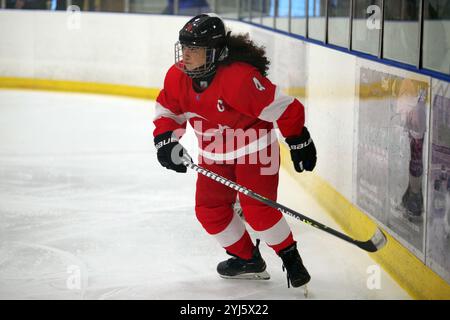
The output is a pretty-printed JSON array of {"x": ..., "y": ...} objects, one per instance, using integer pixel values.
[{"x": 220, "y": 106}]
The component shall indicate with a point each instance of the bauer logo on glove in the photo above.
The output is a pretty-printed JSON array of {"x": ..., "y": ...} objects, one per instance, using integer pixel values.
[
  {"x": 165, "y": 142},
  {"x": 170, "y": 152},
  {"x": 301, "y": 145},
  {"x": 303, "y": 151}
]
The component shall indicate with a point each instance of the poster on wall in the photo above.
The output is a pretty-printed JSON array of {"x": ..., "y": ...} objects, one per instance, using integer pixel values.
[
  {"x": 391, "y": 151},
  {"x": 438, "y": 222}
]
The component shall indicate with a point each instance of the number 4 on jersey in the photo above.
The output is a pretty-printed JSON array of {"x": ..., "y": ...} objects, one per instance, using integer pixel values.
[{"x": 258, "y": 84}]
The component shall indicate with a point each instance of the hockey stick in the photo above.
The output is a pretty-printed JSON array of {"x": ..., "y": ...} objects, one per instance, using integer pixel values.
[{"x": 374, "y": 244}]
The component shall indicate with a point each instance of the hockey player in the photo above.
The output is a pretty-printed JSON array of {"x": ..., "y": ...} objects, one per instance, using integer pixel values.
[
  {"x": 411, "y": 105},
  {"x": 218, "y": 84}
]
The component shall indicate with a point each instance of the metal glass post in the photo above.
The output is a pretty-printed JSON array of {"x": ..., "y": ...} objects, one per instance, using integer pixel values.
[
  {"x": 420, "y": 40},
  {"x": 275, "y": 13},
  {"x": 68, "y": 3},
  {"x": 290, "y": 16},
  {"x": 350, "y": 28},
  {"x": 307, "y": 19},
  {"x": 126, "y": 6},
  {"x": 326, "y": 21},
  {"x": 3, "y": 4},
  {"x": 380, "y": 42}
]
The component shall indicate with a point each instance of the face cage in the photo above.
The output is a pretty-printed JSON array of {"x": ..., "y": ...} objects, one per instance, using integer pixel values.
[{"x": 199, "y": 72}]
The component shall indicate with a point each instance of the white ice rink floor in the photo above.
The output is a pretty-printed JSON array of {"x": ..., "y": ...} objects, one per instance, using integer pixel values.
[{"x": 87, "y": 212}]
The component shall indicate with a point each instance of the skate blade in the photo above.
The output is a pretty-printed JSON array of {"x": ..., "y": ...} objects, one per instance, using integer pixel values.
[
  {"x": 305, "y": 290},
  {"x": 249, "y": 276},
  {"x": 412, "y": 218}
]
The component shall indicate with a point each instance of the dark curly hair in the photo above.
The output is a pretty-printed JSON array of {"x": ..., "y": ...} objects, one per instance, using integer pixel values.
[{"x": 242, "y": 49}]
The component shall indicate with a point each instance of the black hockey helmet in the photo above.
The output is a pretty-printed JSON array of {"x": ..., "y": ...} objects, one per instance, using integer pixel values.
[{"x": 203, "y": 31}]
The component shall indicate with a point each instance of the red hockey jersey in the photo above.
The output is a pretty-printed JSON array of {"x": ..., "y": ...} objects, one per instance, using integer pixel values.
[{"x": 233, "y": 117}]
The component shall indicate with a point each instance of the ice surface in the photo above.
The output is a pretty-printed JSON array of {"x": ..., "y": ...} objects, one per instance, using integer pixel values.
[{"x": 86, "y": 212}]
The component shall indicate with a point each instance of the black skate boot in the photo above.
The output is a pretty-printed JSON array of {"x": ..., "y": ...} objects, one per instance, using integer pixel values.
[
  {"x": 297, "y": 275},
  {"x": 413, "y": 203},
  {"x": 237, "y": 268}
]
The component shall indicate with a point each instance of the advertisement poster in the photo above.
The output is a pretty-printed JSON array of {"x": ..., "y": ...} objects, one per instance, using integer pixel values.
[
  {"x": 392, "y": 152},
  {"x": 438, "y": 222}
]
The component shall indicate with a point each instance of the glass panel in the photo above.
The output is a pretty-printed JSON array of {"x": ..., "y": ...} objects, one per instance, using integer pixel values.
[
  {"x": 282, "y": 20},
  {"x": 154, "y": 6},
  {"x": 227, "y": 8},
  {"x": 268, "y": 13},
  {"x": 257, "y": 6},
  {"x": 30, "y": 5},
  {"x": 193, "y": 8},
  {"x": 298, "y": 20},
  {"x": 187, "y": 8},
  {"x": 90, "y": 5},
  {"x": 244, "y": 12},
  {"x": 436, "y": 35},
  {"x": 401, "y": 31},
  {"x": 316, "y": 23},
  {"x": 85, "y": 5},
  {"x": 42, "y": 4},
  {"x": 366, "y": 26},
  {"x": 338, "y": 22},
  {"x": 103, "y": 5}
]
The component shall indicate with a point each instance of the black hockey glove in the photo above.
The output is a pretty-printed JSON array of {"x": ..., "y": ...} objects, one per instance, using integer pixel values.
[
  {"x": 170, "y": 152},
  {"x": 303, "y": 151}
]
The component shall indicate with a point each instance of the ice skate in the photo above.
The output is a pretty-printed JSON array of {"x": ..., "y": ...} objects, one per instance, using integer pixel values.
[
  {"x": 297, "y": 275},
  {"x": 413, "y": 205},
  {"x": 237, "y": 268}
]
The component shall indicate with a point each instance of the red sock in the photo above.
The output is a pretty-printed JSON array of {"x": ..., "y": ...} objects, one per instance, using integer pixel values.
[
  {"x": 284, "y": 244},
  {"x": 243, "y": 248}
]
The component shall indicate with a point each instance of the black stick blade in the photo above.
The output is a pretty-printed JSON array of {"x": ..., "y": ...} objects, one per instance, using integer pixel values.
[{"x": 375, "y": 243}]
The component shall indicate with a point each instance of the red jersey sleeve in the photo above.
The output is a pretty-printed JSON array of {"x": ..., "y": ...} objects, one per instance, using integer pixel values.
[
  {"x": 256, "y": 96},
  {"x": 168, "y": 113}
]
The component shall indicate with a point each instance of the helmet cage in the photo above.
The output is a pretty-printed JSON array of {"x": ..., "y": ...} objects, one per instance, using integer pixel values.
[{"x": 202, "y": 71}]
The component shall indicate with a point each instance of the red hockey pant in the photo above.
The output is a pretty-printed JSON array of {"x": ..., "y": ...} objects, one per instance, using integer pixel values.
[{"x": 214, "y": 209}]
